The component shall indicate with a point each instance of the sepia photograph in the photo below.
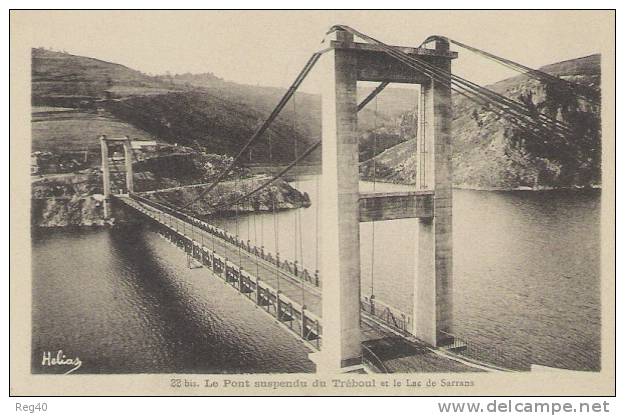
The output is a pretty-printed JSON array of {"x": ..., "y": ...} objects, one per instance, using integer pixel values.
[{"x": 312, "y": 202}]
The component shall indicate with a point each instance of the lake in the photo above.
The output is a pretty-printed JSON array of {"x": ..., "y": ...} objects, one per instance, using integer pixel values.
[{"x": 526, "y": 281}]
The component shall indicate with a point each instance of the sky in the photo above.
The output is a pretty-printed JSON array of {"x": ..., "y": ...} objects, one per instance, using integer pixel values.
[{"x": 270, "y": 47}]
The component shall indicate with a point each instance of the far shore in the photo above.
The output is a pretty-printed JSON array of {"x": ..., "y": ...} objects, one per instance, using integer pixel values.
[{"x": 494, "y": 189}]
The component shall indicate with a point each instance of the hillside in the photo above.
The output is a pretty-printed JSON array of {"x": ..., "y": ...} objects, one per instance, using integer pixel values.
[
  {"x": 78, "y": 98},
  {"x": 61, "y": 129},
  {"x": 89, "y": 97},
  {"x": 68, "y": 96},
  {"x": 489, "y": 153},
  {"x": 60, "y": 78},
  {"x": 100, "y": 97}
]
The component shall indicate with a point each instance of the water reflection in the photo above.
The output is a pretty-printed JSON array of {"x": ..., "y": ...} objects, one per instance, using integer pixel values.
[{"x": 135, "y": 308}]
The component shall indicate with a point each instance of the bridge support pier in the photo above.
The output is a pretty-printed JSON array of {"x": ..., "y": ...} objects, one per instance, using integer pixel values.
[
  {"x": 343, "y": 207},
  {"x": 340, "y": 241},
  {"x": 432, "y": 305}
]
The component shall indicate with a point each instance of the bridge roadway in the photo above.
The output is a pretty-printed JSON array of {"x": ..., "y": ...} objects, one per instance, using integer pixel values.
[{"x": 388, "y": 350}]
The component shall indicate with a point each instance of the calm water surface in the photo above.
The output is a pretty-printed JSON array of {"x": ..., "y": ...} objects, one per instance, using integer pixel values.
[
  {"x": 526, "y": 280},
  {"x": 124, "y": 301}
]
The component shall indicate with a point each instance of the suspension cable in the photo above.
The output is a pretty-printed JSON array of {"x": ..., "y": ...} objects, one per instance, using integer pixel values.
[
  {"x": 514, "y": 105},
  {"x": 301, "y": 157},
  {"x": 510, "y": 109},
  {"x": 582, "y": 91},
  {"x": 261, "y": 129},
  {"x": 515, "y": 112},
  {"x": 537, "y": 128},
  {"x": 372, "y": 95}
]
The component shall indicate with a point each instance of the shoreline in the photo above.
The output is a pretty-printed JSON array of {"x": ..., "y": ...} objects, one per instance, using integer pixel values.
[
  {"x": 496, "y": 189},
  {"x": 95, "y": 221},
  {"x": 529, "y": 189}
]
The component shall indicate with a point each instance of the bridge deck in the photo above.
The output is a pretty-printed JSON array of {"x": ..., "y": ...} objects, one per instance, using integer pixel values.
[
  {"x": 291, "y": 286},
  {"x": 388, "y": 351}
]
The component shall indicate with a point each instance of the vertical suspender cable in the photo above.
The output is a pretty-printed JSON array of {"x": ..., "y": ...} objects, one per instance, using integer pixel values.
[
  {"x": 256, "y": 246},
  {"x": 421, "y": 126},
  {"x": 262, "y": 218},
  {"x": 262, "y": 232},
  {"x": 276, "y": 243},
  {"x": 375, "y": 151},
  {"x": 301, "y": 238},
  {"x": 213, "y": 237},
  {"x": 298, "y": 215},
  {"x": 247, "y": 220},
  {"x": 295, "y": 245},
  {"x": 275, "y": 221},
  {"x": 317, "y": 203},
  {"x": 236, "y": 187}
]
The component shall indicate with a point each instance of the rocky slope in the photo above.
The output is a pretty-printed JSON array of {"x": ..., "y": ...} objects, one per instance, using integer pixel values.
[
  {"x": 76, "y": 200},
  {"x": 74, "y": 211},
  {"x": 489, "y": 153},
  {"x": 279, "y": 195}
]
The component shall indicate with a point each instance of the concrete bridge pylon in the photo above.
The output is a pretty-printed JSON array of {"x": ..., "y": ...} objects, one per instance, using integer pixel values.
[{"x": 344, "y": 207}]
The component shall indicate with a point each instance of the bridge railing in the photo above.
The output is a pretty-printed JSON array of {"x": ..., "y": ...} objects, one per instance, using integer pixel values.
[
  {"x": 293, "y": 316},
  {"x": 391, "y": 316},
  {"x": 303, "y": 323},
  {"x": 291, "y": 267}
]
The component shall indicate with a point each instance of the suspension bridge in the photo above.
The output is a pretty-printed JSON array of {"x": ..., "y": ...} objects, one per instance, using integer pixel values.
[{"x": 325, "y": 307}]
